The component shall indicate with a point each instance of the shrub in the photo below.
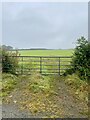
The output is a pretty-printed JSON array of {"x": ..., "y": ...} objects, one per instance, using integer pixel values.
[
  {"x": 9, "y": 62},
  {"x": 81, "y": 59}
]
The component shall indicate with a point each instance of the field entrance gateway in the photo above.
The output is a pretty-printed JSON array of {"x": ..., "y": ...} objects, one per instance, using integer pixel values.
[{"x": 43, "y": 64}]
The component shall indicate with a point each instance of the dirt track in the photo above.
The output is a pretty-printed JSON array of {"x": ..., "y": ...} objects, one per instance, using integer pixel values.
[{"x": 71, "y": 108}]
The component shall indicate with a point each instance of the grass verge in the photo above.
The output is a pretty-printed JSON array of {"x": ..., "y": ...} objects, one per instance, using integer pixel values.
[
  {"x": 79, "y": 90},
  {"x": 80, "y": 87},
  {"x": 9, "y": 82}
]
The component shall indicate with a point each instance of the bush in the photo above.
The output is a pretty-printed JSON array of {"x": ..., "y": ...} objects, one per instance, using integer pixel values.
[
  {"x": 81, "y": 59},
  {"x": 9, "y": 62}
]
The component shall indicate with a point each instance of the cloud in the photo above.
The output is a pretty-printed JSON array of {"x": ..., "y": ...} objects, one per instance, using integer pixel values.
[{"x": 49, "y": 25}]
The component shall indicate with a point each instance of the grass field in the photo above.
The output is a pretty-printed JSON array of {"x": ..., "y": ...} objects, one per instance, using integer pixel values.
[
  {"x": 48, "y": 63},
  {"x": 46, "y": 52}
]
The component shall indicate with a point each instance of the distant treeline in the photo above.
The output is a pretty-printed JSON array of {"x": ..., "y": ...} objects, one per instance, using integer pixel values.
[
  {"x": 10, "y": 48},
  {"x": 40, "y": 49},
  {"x": 35, "y": 49}
]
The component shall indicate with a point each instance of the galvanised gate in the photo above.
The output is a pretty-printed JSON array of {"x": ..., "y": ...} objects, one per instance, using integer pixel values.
[{"x": 43, "y": 64}]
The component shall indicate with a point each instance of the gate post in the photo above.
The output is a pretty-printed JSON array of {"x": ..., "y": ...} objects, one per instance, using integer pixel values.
[
  {"x": 41, "y": 65},
  {"x": 59, "y": 66},
  {"x": 22, "y": 66}
]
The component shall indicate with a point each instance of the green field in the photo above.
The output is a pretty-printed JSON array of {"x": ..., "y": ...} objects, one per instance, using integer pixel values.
[
  {"x": 48, "y": 64},
  {"x": 46, "y": 52}
]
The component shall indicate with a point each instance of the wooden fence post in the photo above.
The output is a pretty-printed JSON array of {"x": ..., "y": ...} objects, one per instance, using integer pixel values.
[{"x": 41, "y": 65}]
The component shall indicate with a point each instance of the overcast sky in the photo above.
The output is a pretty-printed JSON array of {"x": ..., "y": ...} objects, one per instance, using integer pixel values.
[{"x": 44, "y": 25}]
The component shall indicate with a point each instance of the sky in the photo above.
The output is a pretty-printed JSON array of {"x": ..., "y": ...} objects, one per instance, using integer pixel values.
[{"x": 55, "y": 25}]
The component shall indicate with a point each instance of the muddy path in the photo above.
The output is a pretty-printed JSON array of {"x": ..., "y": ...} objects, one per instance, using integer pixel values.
[{"x": 65, "y": 105}]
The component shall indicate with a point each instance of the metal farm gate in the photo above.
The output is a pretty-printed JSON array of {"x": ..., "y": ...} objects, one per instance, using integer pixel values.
[{"x": 43, "y": 64}]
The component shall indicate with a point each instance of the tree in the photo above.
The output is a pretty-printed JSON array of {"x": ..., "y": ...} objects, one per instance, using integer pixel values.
[
  {"x": 81, "y": 58},
  {"x": 7, "y": 47}
]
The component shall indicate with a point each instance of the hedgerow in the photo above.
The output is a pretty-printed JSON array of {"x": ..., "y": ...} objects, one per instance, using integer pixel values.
[{"x": 9, "y": 62}]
